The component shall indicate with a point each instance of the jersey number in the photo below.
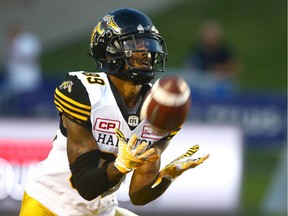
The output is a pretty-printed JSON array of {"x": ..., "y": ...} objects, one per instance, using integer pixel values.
[{"x": 94, "y": 78}]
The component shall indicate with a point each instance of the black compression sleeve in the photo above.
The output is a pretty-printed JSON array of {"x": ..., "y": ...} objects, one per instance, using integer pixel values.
[{"x": 89, "y": 180}]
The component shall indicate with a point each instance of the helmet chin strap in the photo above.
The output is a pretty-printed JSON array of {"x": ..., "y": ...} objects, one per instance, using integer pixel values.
[
  {"x": 128, "y": 73},
  {"x": 136, "y": 77},
  {"x": 140, "y": 77}
]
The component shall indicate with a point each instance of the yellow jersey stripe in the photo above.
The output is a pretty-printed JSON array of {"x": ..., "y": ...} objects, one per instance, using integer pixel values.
[
  {"x": 80, "y": 105},
  {"x": 173, "y": 133},
  {"x": 59, "y": 108},
  {"x": 80, "y": 117},
  {"x": 64, "y": 104}
]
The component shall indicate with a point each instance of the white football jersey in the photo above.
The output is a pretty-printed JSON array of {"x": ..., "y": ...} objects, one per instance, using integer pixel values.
[{"x": 89, "y": 99}]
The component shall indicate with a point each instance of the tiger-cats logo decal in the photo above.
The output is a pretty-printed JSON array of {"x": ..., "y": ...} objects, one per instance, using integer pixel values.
[
  {"x": 66, "y": 85},
  {"x": 106, "y": 24}
]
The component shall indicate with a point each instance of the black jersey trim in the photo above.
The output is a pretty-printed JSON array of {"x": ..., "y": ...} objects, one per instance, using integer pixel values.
[{"x": 121, "y": 104}]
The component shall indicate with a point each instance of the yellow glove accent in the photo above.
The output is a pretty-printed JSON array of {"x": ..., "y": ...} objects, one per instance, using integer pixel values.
[
  {"x": 130, "y": 157},
  {"x": 180, "y": 165}
]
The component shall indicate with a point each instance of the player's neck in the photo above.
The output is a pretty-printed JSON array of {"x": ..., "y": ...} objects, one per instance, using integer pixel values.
[{"x": 128, "y": 91}]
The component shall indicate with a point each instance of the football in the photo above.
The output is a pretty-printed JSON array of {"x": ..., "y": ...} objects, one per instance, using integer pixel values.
[{"x": 167, "y": 104}]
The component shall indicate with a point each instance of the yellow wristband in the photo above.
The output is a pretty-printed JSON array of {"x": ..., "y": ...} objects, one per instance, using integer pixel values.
[{"x": 122, "y": 169}]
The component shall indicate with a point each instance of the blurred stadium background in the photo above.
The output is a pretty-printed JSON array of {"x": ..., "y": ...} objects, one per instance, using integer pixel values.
[{"x": 257, "y": 29}]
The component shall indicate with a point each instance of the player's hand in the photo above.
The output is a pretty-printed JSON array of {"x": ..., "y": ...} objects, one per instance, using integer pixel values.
[
  {"x": 131, "y": 157},
  {"x": 180, "y": 165}
]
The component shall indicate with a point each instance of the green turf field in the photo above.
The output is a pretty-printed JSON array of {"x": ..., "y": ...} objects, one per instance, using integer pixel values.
[{"x": 259, "y": 167}]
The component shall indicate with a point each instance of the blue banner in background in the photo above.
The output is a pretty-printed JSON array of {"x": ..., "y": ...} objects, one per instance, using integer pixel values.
[{"x": 261, "y": 115}]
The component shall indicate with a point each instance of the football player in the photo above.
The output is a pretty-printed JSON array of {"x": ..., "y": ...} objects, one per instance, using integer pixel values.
[{"x": 101, "y": 137}]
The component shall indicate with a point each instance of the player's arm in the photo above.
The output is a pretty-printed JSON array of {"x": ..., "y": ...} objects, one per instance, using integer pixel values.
[
  {"x": 148, "y": 183},
  {"x": 141, "y": 191},
  {"x": 88, "y": 177}
]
